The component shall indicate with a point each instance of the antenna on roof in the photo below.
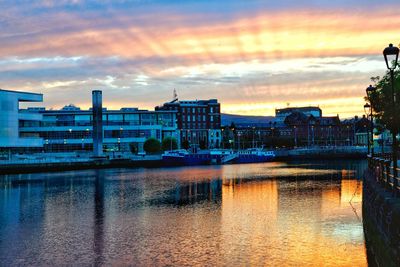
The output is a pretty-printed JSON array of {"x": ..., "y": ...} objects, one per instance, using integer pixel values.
[{"x": 174, "y": 96}]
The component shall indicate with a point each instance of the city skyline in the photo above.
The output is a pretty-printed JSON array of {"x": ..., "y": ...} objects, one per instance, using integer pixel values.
[{"x": 252, "y": 56}]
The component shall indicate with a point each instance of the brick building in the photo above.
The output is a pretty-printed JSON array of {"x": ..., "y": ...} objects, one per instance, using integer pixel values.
[{"x": 199, "y": 121}]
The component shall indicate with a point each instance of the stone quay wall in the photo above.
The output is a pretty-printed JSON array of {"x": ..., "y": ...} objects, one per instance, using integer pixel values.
[{"x": 381, "y": 219}]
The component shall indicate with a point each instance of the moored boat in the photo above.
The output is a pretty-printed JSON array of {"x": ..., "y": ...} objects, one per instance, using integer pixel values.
[
  {"x": 254, "y": 155},
  {"x": 183, "y": 157},
  {"x": 216, "y": 156}
]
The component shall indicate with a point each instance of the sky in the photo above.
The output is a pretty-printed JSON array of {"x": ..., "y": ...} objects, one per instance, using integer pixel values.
[{"x": 252, "y": 55}]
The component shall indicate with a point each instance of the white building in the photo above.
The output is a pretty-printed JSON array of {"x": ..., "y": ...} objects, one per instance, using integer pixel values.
[{"x": 10, "y": 117}]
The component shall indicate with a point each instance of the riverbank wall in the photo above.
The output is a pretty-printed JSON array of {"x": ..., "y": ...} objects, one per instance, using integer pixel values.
[
  {"x": 78, "y": 165},
  {"x": 381, "y": 220},
  {"x": 56, "y": 163},
  {"x": 321, "y": 153}
]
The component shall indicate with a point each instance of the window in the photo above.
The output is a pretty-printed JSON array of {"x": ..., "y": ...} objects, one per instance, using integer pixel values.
[{"x": 131, "y": 117}]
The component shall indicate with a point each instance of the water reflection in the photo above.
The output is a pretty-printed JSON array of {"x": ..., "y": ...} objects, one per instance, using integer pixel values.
[
  {"x": 253, "y": 214},
  {"x": 98, "y": 222}
]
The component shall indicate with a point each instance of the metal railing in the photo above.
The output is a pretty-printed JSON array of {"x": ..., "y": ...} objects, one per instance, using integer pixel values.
[{"x": 384, "y": 172}]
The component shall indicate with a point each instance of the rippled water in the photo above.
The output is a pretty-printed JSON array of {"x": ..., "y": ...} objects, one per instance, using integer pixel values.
[{"x": 276, "y": 214}]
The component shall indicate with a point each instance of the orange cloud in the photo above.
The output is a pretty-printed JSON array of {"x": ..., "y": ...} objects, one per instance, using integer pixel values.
[{"x": 256, "y": 59}]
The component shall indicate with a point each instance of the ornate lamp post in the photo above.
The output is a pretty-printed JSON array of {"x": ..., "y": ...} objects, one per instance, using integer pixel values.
[
  {"x": 370, "y": 92},
  {"x": 368, "y": 110},
  {"x": 391, "y": 55}
]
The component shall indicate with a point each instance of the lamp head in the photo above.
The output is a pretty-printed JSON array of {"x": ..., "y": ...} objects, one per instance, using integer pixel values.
[
  {"x": 367, "y": 109},
  {"x": 391, "y": 55}
]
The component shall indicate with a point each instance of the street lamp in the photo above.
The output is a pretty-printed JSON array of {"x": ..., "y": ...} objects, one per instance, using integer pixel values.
[
  {"x": 253, "y": 136},
  {"x": 312, "y": 134},
  {"x": 238, "y": 140},
  {"x": 391, "y": 55},
  {"x": 368, "y": 110},
  {"x": 370, "y": 92}
]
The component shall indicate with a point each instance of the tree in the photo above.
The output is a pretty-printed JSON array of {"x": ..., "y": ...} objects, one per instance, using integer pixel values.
[
  {"x": 152, "y": 146},
  {"x": 385, "y": 113},
  {"x": 385, "y": 104},
  {"x": 185, "y": 144},
  {"x": 169, "y": 143},
  {"x": 133, "y": 148}
]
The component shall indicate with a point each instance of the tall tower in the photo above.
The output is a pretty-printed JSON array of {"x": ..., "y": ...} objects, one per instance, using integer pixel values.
[{"x": 97, "y": 110}]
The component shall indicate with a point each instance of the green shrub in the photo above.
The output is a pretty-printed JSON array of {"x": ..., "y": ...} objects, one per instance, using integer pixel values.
[
  {"x": 169, "y": 143},
  {"x": 152, "y": 146}
]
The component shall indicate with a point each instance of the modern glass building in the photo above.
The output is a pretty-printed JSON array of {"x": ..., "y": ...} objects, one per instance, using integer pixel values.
[
  {"x": 10, "y": 117},
  {"x": 70, "y": 128}
]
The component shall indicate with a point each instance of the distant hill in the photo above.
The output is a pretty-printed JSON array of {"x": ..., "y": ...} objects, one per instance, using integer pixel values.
[{"x": 243, "y": 120}]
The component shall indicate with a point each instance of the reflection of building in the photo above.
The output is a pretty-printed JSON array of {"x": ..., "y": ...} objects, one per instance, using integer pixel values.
[
  {"x": 10, "y": 118},
  {"x": 70, "y": 128},
  {"x": 198, "y": 120}
]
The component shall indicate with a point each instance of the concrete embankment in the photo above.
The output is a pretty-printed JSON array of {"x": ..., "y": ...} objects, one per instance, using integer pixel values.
[
  {"x": 77, "y": 165},
  {"x": 54, "y": 163},
  {"x": 321, "y": 153},
  {"x": 381, "y": 219}
]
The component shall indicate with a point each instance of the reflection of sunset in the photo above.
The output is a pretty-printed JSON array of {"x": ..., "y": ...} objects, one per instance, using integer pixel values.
[
  {"x": 299, "y": 223},
  {"x": 270, "y": 214},
  {"x": 249, "y": 211}
]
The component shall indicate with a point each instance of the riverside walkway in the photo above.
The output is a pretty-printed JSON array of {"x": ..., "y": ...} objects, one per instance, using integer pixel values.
[{"x": 381, "y": 211}]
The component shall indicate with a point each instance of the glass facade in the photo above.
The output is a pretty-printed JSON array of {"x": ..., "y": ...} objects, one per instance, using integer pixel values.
[{"x": 72, "y": 130}]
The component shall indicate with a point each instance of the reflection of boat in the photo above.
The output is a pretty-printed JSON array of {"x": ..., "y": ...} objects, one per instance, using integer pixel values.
[{"x": 253, "y": 155}]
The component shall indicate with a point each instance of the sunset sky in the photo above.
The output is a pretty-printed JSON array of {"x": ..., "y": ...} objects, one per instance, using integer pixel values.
[{"x": 253, "y": 55}]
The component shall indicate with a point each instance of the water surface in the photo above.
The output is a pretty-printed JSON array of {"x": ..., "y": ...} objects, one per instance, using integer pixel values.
[{"x": 299, "y": 214}]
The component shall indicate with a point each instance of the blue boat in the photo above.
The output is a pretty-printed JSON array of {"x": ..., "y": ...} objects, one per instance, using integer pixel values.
[
  {"x": 216, "y": 156},
  {"x": 183, "y": 157},
  {"x": 254, "y": 155}
]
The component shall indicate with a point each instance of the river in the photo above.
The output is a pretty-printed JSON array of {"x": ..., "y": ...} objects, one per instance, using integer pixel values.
[{"x": 274, "y": 214}]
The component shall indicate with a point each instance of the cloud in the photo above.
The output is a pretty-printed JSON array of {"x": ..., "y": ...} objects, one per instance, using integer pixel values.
[{"x": 252, "y": 56}]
